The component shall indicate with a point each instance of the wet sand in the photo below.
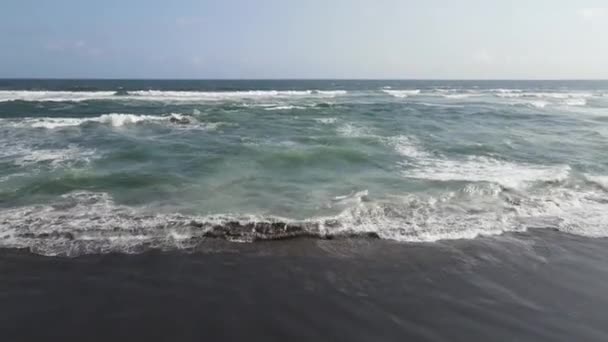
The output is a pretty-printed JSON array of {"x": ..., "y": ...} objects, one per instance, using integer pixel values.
[{"x": 536, "y": 286}]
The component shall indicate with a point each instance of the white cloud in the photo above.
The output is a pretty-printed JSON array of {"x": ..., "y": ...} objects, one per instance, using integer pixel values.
[{"x": 593, "y": 13}]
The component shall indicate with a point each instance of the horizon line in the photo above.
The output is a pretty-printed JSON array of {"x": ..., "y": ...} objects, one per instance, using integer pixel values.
[{"x": 295, "y": 79}]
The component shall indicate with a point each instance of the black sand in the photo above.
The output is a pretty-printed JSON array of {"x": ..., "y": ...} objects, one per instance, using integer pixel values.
[{"x": 538, "y": 286}]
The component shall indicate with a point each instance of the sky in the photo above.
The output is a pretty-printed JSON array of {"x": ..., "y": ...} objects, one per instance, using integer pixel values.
[{"x": 381, "y": 39}]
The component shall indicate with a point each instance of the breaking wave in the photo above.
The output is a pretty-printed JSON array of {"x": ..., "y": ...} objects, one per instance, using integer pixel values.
[
  {"x": 402, "y": 93},
  {"x": 112, "y": 119},
  {"x": 435, "y": 167},
  {"x": 85, "y": 222},
  {"x": 160, "y": 95}
]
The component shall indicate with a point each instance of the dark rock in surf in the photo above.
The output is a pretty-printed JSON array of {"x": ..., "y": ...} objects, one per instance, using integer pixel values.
[
  {"x": 260, "y": 231},
  {"x": 180, "y": 120}
]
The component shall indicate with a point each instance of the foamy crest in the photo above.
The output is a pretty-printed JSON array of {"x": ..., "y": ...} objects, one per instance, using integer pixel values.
[
  {"x": 112, "y": 119},
  {"x": 161, "y": 95},
  {"x": 84, "y": 222},
  {"x": 402, "y": 93},
  {"x": 52, "y": 123},
  {"x": 118, "y": 120},
  {"x": 549, "y": 95},
  {"x": 538, "y": 104},
  {"x": 578, "y": 211},
  {"x": 220, "y": 95},
  {"x": 288, "y": 107},
  {"x": 407, "y": 147},
  {"x": 353, "y": 131},
  {"x": 600, "y": 180},
  {"x": 53, "y": 96},
  {"x": 326, "y": 121},
  {"x": 52, "y": 158},
  {"x": 332, "y": 93},
  {"x": 458, "y": 96},
  {"x": 576, "y": 102},
  {"x": 485, "y": 169}
]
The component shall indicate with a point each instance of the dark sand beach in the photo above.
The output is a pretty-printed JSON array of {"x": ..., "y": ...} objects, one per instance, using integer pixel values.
[{"x": 537, "y": 286}]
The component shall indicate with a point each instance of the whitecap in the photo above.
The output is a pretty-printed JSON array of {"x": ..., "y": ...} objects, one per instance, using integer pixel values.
[
  {"x": 578, "y": 102},
  {"x": 326, "y": 121},
  {"x": 160, "y": 95},
  {"x": 402, "y": 93},
  {"x": 486, "y": 169},
  {"x": 84, "y": 222},
  {"x": 538, "y": 104},
  {"x": 407, "y": 147},
  {"x": 546, "y": 95},
  {"x": 53, "y": 96},
  {"x": 354, "y": 131},
  {"x": 112, "y": 119},
  {"x": 288, "y": 107}
]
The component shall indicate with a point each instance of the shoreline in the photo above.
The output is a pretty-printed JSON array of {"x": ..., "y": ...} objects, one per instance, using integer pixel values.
[{"x": 540, "y": 285}]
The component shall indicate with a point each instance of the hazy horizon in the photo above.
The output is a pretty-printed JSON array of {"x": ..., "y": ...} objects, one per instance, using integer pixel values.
[
  {"x": 271, "y": 39},
  {"x": 308, "y": 79}
]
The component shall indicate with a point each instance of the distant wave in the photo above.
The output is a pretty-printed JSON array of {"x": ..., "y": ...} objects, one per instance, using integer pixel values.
[
  {"x": 326, "y": 121},
  {"x": 54, "y": 96},
  {"x": 286, "y": 107},
  {"x": 402, "y": 93},
  {"x": 554, "y": 95},
  {"x": 112, "y": 119},
  {"x": 159, "y": 95}
]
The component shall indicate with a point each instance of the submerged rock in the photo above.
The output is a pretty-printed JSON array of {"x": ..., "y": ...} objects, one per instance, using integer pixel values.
[
  {"x": 180, "y": 120},
  {"x": 259, "y": 231}
]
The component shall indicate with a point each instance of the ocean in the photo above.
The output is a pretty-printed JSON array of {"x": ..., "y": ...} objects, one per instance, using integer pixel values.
[{"x": 432, "y": 210}]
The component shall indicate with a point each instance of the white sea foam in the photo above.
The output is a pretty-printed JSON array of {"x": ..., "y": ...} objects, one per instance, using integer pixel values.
[
  {"x": 485, "y": 169},
  {"x": 425, "y": 165},
  {"x": 331, "y": 93},
  {"x": 220, "y": 95},
  {"x": 287, "y": 107},
  {"x": 52, "y": 123},
  {"x": 443, "y": 105},
  {"x": 354, "y": 131},
  {"x": 459, "y": 96},
  {"x": 118, "y": 120},
  {"x": 326, "y": 121},
  {"x": 161, "y": 95},
  {"x": 53, "y": 96},
  {"x": 402, "y": 93},
  {"x": 407, "y": 147},
  {"x": 600, "y": 180},
  {"x": 576, "y": 102},
  {"x": 546, "y": 95},
  {"x": 70, "y": 156},
  {"x": 84, "y": 222},
  {"x": 356, "y": 197},
  {"x": 537, "y": 104},
  {"x": 112, "y": 119},
  {"x": 506, "y": 91}
]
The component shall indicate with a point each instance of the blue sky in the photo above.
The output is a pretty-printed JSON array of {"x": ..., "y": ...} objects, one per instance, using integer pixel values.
[{"x": 472, "y": 39}]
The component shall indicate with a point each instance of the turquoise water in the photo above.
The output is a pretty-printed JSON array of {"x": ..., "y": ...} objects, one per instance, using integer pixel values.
[{"x": 97, "y": 166}]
